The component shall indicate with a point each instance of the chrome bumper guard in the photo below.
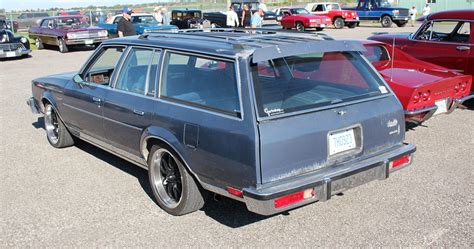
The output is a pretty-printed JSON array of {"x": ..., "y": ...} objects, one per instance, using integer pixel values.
[
  {"x": 457, "y": 102},
  {"x": 31, "y": 102},
  {"x": 429, "y": 113},
  {"x": 325, "y": 184}
]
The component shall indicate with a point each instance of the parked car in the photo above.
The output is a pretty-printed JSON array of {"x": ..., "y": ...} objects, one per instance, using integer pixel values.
[
  {"x": 8, "y": 24},
  {"x": 13, "y": 46},
  {"x": 30, "y": 19},
  {"x": 300, "y": 19},
  {"x": 424, "y": 89},
  {"x": 339, "y": 17},
  {"x": 142, "y": 22},
  {"x": 446, "y": 38},
  {"x": 219, "y": 18},
  {"x": 195, "y": 110},
  {"x": 187, "y": 19},
  {"x": 381, "y": 11},
  {"x": 66, "y": 31}
]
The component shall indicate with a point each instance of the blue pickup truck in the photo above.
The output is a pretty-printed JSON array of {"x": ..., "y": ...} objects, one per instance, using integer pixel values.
[
  {"x": 142, "y": 22},
  {"x": 381, "y": 11}
]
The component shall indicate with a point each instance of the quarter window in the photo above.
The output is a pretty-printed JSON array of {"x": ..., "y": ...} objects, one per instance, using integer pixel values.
[
  {"x": 202, "y": 82},
  {"x": 134, "y": 73}
]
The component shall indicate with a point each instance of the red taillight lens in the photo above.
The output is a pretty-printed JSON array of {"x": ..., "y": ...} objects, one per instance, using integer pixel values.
[
  {"x": 401, "y": 161},
  {"x": 426, "y": 96},
  {"x": 293, "y": 198},
  {"x": 234, "y": 191},
  {"x": 416, "y": 98}
]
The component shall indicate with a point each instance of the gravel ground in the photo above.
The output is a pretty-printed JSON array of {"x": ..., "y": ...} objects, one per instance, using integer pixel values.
[{"x": 82, "y": 196}]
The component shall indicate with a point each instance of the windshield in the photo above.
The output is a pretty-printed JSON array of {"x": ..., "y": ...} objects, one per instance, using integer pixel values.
[
  {"x": 144, "y": 19},
  {"x": 297, "y": 83},
  {"x": 299, "y": 11},
  {"x": 376, "y": 53},
  {"x": 70, "y": 22}
]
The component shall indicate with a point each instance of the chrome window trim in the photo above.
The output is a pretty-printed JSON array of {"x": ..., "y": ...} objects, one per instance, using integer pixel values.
[
  {"x": 204, "y": 56},
  {"x": 417, "y": 32}
]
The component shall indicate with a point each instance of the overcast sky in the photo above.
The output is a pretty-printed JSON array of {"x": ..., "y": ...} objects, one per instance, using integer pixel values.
[{"x": 46, "y": 4}]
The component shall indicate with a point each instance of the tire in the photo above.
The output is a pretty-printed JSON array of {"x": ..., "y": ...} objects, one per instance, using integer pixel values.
[
  {"x": 56, "y": 132},
  {"x": 62, "y": 46},
  {"x": 401, "y": 24},
  {"x": 319, "y": 29},
  {"x": 352, "y": 25},
  {"x": 386, "y": 21},
  {"x": 299, "y": 27},
  {"x": 173, "y": 187},
  {"x": 338, "y": 23},
  {"x": 39, "y": 43}
]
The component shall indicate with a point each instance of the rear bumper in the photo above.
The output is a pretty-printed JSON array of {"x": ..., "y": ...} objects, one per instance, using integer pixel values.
[
  {"x": 422, "y": 115},
  {"x": 15, "y": 53},
  {"x": 457, "y": 102},
  {"x": 31, "y": 102},
  {"x": 325, "y": 183},
  {"x": 86, "y": 41}
]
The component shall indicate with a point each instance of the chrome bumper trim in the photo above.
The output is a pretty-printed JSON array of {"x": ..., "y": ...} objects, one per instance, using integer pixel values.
[
  {"x": 457, "y": 102},
  {"x": 6, "y": 54},
  {"x": 429, "y": 113},
  {"x": 31, "y": 102}
]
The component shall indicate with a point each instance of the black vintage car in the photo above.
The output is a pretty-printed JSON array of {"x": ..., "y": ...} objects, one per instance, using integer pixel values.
[
  {"x": 188, "y": 19},
  {"x": 13, "y": 46}
]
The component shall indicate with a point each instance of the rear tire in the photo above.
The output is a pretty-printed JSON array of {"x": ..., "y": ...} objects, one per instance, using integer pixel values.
[
  {"x": 173, "y": 187},
  {"x": 62, "y": 46},
  {"x": 39, "y": 43},
  {"x": 386, "y": 21},
  {"x": 56, "y": 132},
  {"x": 352, "y": 25},
  {"x": 299, "y": 27},
  {"x": 338, "y": 23}
]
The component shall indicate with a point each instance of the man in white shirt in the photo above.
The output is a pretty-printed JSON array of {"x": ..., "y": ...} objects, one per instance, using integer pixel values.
[
  {"x": 426, "y": 10},
  {"x": 412, "y": 13},
  {"x": 232, "y": 18}
]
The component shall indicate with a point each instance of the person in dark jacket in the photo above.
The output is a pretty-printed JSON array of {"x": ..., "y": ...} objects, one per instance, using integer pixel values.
[
  {"x": 246, "y": 16},
  {"x": 125, "y": 26}
]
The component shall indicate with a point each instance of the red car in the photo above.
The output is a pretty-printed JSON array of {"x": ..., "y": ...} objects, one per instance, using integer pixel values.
[
  {"x": 300, "y": 19},
  {"x": 445, "y": 38},
  {"x": 339, "y": 17},
  {"x": 424, "y": 89}
]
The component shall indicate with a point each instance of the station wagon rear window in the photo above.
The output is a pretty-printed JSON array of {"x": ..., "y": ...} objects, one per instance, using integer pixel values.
[{"x": 297, "y": 83}]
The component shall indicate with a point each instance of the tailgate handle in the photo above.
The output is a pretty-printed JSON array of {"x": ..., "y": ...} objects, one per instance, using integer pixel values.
[{"x": 463, "y": 48}]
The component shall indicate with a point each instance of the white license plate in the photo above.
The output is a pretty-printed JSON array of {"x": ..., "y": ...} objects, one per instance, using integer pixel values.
[
  {"x": 442, "y": 105},
  {"x": 323, "y": 25},
  {"x": 89, "y": 42},
  {"x": 341, "y": 141},
  {"x": 11, "y": 54}
]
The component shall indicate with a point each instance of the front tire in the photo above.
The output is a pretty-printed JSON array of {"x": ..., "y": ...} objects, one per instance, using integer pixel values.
[
  {"x": 299, "y": 27},
  {"x": 62, "y": 46},
  {"x": 352, "y": 25},
  {"x": 38, "y": 43},
  {"x": 56, "y": 132},
  {"x": 386, "y": 21},
  {"x": 401, "y": 24},
  {"x": 173, "y": 187},
  {"x": 338, "y": 23}
]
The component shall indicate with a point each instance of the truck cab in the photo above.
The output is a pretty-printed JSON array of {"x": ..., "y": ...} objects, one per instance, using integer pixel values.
[{"x": 381, "y": 11}]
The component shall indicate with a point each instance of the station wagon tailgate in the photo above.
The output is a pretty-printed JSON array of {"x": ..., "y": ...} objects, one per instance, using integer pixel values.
[{"x": 299, "y": 144}]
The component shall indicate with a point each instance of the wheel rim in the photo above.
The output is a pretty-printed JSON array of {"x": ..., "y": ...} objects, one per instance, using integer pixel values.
[
  {"x": 51, "y": 124},
  {"x": 37, "y": 43},
  {"x": 166, "y": 178},
  {"x": 339, "y": 23},
  {"x": 385, "y": 21},
  {"x": 61, "y": 46},
  {"x": 299, "y": 27}
]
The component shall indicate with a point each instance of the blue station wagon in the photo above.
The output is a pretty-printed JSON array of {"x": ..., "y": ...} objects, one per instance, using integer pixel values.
[{"x": 270, "y": 119}]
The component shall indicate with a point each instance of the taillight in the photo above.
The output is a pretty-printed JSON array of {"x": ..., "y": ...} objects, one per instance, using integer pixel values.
[
  {"x": 401, "y": 161},
  {"x": 416, "y": 98},
  {"x": 293, "y": 198},
  {"x": 426, "y": 96},
  {"x": 422, "y": 96}
]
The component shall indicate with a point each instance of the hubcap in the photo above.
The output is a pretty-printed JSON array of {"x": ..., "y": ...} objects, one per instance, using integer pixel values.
[
  {"x": 166, "y": 178},
  {"x": 37, "y": 42},
  {"x": 51, "y": 124}
]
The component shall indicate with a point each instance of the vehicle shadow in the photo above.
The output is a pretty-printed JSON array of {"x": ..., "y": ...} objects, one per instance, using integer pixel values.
[
  {"x": 469, "y": 104},
  {"x": 226, "y": 211}
]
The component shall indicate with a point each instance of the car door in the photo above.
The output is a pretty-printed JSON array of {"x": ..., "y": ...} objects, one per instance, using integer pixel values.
[
  {"x": 83, "y": 101},
  {"x": 129, "y": 104},
  {"x": 446, "y": 43},
  {"x": 42, "y": 31},
  {"x": 363, "y": 10}
]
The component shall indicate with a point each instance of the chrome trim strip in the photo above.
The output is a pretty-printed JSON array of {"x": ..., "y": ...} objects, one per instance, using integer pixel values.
[
  {"x": 83, "y": 111},
  {"x": 427, "y": 109}
]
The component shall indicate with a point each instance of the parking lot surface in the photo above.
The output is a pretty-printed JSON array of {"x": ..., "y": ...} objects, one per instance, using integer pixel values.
[{"x": 82, "y": 196}]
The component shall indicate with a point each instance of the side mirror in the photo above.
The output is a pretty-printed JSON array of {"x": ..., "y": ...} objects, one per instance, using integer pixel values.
[{"x": 78, "y": 80}]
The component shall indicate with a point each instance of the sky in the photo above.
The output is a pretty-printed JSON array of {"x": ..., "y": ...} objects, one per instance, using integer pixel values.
[{"x": 45, "y": 4}]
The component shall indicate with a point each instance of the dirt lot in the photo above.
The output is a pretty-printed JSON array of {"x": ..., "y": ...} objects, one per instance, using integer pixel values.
[{"x": 82, "y": 196}]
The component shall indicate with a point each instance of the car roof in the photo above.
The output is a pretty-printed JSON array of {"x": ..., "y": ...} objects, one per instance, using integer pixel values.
[
  {"x": 60, "y": 17},
  {"x": 230, "y": 43},
  {"x": 186, "y": 10},
  {"x": 464, "y": 14}
]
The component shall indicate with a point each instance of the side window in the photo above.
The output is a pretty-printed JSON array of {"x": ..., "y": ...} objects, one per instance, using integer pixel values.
[
  {"x": 133, "y": 75},
  {"x": 376, "y": 53},
  {"x": 45, "y": 23},
  {"x": 319, "y": 7},
  {"x": 101, "y": 69},
  {"x": 117, "y": 19},
  {"x": 202, "y": 82},
  {"x": 445, "y": 31}
]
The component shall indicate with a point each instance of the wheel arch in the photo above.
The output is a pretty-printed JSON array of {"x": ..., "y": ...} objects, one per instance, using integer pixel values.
[
  {"x": 48, "y": 98},
  {"x": 338, "y": 16}
]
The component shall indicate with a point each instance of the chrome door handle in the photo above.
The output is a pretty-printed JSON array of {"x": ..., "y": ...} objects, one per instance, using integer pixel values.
[
  {"x": 97, "y": 100},
  {"x": 463, "y": 48},
  {"x": 138, "y": 112}
]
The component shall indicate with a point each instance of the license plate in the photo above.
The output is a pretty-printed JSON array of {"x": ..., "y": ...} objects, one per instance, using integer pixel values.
[
  {"x": 11, "y": 54},
  {"x": 323, "y": 25},
  {"x": 89, "y": 42},
  {"x": 341, "y": 141},
  {"x": 442, "y": 105}
]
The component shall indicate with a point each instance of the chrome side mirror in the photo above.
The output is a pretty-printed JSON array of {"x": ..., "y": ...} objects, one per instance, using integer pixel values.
[{"x": 78, "y": 80}]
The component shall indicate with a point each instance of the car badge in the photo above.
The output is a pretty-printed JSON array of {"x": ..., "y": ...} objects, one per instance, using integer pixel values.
[{"x": 340, "y": 113}]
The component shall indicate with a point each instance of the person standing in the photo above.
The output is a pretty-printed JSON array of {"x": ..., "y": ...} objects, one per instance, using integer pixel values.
[
  {"x": 246, "y": 16},
  {"x": 232, "y": 18},
  {"x": 125, "y": 26},
  {"x": 166, "y": 17},
  {"x": 412, "y": 13},
  {"x": 257, "y": 19},
  {"x": 426, "y": 10},
  {"x": 158, "y": 15}
]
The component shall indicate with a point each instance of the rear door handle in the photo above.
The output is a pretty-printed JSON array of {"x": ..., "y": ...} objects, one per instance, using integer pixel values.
[
  {"x": 138, "y": 112},
  {"x": 97, "y": 100},
  {"x": 463, "y": 48}
]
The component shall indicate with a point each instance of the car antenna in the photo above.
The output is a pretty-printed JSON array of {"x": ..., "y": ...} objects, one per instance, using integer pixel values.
[{"x": 393, "y": 58}]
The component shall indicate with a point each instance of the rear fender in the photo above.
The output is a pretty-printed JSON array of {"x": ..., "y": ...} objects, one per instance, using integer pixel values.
[{"x": 164, "y": 136}]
